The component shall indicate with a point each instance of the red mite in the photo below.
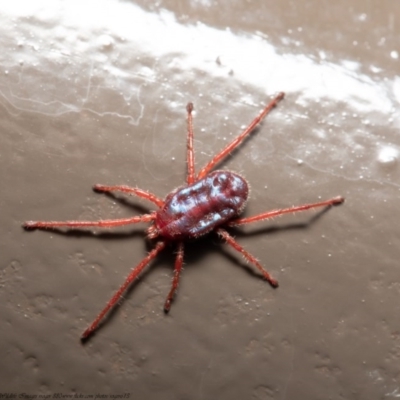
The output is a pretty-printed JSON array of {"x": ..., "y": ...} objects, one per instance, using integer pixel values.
[{"x": 209, "y": 201}]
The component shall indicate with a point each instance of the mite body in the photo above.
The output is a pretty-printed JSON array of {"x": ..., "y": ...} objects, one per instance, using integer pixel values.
[{"x": 194, "y": 210}]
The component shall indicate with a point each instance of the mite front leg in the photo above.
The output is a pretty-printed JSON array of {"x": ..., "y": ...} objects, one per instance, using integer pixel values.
[
  {"x": 105, "y": 223},
  {"x": 130, "y": 278}
]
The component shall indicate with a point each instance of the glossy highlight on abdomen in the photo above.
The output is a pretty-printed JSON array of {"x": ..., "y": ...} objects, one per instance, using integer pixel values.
[{"x": 194, "y": 210}]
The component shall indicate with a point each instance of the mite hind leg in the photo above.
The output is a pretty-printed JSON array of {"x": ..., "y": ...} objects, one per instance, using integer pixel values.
[
  {"x": 238, "y": 140},
  {"x": 175, "y": 280},
  {"x": 250, "y": 258}
]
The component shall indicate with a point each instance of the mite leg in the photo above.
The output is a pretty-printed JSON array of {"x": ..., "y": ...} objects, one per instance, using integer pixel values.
[
  {"x": 105, "y": 223},
  {"x": 233, "y": 243},
  {"x": 274, "y": 213},
  {"x": 190, "y": 150},
  {"x": 130, "y": 278},
  {"x": 236, "y": 142},
  {"x": 144, "y": 194},
  {"x": 175, "y": 280}
]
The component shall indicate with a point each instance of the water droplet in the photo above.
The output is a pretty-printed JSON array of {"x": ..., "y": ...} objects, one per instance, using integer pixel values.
[
  {"x": 388, "y": 156},
  {"x": 362, "y": 17},
  {"x": 394, "y": 54},
  {"x": 106, "y": 42}
]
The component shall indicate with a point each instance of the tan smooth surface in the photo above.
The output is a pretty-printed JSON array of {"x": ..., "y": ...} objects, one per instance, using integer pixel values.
[{"x": 95, "y": 92}]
